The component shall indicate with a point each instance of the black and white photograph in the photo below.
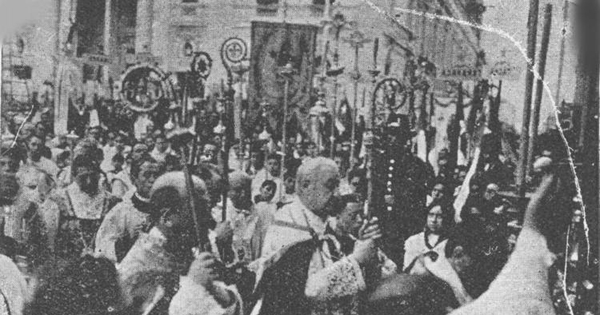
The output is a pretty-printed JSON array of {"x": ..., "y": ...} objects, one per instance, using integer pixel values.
[{"x": 301, "y": 157}]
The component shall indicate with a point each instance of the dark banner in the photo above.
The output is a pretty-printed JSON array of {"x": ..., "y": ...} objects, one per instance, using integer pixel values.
[{"x": 273, "y": 46}]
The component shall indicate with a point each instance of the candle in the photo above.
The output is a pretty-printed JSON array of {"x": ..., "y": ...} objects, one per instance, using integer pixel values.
[{"x": 375, "y": 49}]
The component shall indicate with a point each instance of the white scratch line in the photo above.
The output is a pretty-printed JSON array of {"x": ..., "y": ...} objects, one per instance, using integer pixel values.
[
  {"x": 531, "y": 67},
  {"x": 14, "y": 142}
]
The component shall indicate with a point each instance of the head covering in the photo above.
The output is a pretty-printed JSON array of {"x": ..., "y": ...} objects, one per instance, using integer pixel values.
[
  {"x": 239, "y": 179},
  {"x": 177, "y": 181}
]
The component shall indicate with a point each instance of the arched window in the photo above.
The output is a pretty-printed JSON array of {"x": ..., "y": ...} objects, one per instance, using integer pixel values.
[{"x": 188, "y": 49}]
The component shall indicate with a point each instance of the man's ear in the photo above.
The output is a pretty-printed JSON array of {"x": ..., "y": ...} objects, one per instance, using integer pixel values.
[
  {"x": 305, "y": 184},
  {"x": 458, "y": 252}
]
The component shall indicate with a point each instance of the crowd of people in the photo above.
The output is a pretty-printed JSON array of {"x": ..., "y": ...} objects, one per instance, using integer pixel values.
[{"x": 103, "y": 223}]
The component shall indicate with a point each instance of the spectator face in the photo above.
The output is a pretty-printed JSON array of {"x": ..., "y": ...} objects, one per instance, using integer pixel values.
[
  {"x": 119, "y": 143},
  {"x": 442, "y": 162},
  {"x": 354, "y": 183},
  {"x": 149, "y": 141},
  {"x": 8, "y": 165},
  {"x": 34, "y": 147},
  {"x": 62, "y": 141},
  {"x": 434, "y": 219},
  {"x": 87, "y": 179},
  {"x": 217, "y": 140},
  {"x": 149, "y": 172},
  {"x": 240, "y": 196},
  {"x": 40, "y": 129},
  {"x": 490, "y": 192},
  {"x": 118, "y": 165},
  {"x": 254, "y": 159},
  {"x": 95, "y": 133},
  {"x": 267, "y": 192},
  {"x": 138, "y": 151},
  {"x": 272, "y": 167},
  {"x": 350, "y": 219},
  {"x": 161, "y": 144},
  {"x": 26, "y": 131},
  {"x": 437, "y": 192},
  {"x": 210, "y": 153},
  {"x": 338, "y": 162},
  {"x": 312, "y": 150},
  {"x": 289, "y": 184},
  {"x": 111, "y": 139}
]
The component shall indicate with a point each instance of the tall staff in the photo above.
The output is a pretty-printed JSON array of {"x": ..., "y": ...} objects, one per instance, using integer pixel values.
[
  {"x": 339, "y": 22},
  {"x": 374, "y": 72},
  {"x": 356, "y": 40},
  {"x": 286, "y": 73},
  {"x": 532, "y": 23}
]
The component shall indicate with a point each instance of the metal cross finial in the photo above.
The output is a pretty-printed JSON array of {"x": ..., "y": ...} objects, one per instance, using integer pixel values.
[
  {"x": 287, "y": 71},
  {"x": 356, "y": 39}
]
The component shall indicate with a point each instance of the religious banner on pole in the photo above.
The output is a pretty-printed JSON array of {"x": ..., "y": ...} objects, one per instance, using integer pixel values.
[{"x": 274, "y": 45}]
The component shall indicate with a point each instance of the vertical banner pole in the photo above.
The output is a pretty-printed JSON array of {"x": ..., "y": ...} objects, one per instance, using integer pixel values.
[
  {"x": 524, "y": 142},
  {"x": 539, "y": 86}
]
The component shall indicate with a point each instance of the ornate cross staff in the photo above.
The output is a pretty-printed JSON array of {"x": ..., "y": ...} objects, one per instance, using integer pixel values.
[
  {"x": 239, "y": 69},
  {"x": 338, "y": 23},
  {"x": 286, "y": 72},
  {"x": 356, "y": 40},
  {"x": 374, "y": 72}
]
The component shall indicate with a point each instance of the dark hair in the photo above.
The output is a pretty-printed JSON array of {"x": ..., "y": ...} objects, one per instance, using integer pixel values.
[
  {"x": 84, "y": 160},
  {"x": 82, "y": 286},
  {"x": 137, "y": 164},
  {"x": 118, "y": 158},
  {"x": 488, "y": 252},
  {"x": 172, "y": 160},
  {"x": 165, "y": 198},
  {"x": 34, "y": 135},
  {"x": 63, "y": 156},
  {"x": 470, "y": 237},
  {"x": 447, "y": 213},
  {"x": 269, "y": 183}
]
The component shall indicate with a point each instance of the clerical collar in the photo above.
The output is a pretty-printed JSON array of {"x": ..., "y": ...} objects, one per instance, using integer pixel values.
[
  {"x": 140, "y": 203},
  {"x": 137, "y": 195}
]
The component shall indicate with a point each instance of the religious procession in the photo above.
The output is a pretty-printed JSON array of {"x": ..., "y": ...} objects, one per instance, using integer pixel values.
[{"x": 258, "y": 157}]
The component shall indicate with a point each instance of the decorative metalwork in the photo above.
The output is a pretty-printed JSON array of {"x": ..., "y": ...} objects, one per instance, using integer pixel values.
[
  {"x": 389, "y": 96},
  {"x": 202, "y": 64},
  {"x": 235, "y": 50},
  {"x": 143, "y": 86}
]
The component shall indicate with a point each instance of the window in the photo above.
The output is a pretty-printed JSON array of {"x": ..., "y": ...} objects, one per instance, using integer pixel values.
[{"x": 267, "y": 7}]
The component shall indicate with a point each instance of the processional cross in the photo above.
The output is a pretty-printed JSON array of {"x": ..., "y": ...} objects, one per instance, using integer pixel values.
[{"x": 356, "y": 40}]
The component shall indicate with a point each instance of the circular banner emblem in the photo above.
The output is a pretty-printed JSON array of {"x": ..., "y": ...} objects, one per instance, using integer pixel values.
[
  {"x": 235, "y": 49},
  {"x": 143, "y": 86},
  {"x": 202, "y": 64}
]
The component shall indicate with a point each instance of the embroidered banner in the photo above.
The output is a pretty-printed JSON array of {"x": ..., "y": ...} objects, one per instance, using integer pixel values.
[{"x": 273, "y": 46}]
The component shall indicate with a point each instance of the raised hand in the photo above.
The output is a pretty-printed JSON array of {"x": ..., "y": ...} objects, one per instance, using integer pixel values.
[
  {"x": 205, "y": 269},
  {"x": 365, "y": 248}
]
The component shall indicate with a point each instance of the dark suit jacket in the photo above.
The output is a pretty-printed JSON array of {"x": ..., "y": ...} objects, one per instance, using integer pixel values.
[{"x": 405, "y": 294}]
